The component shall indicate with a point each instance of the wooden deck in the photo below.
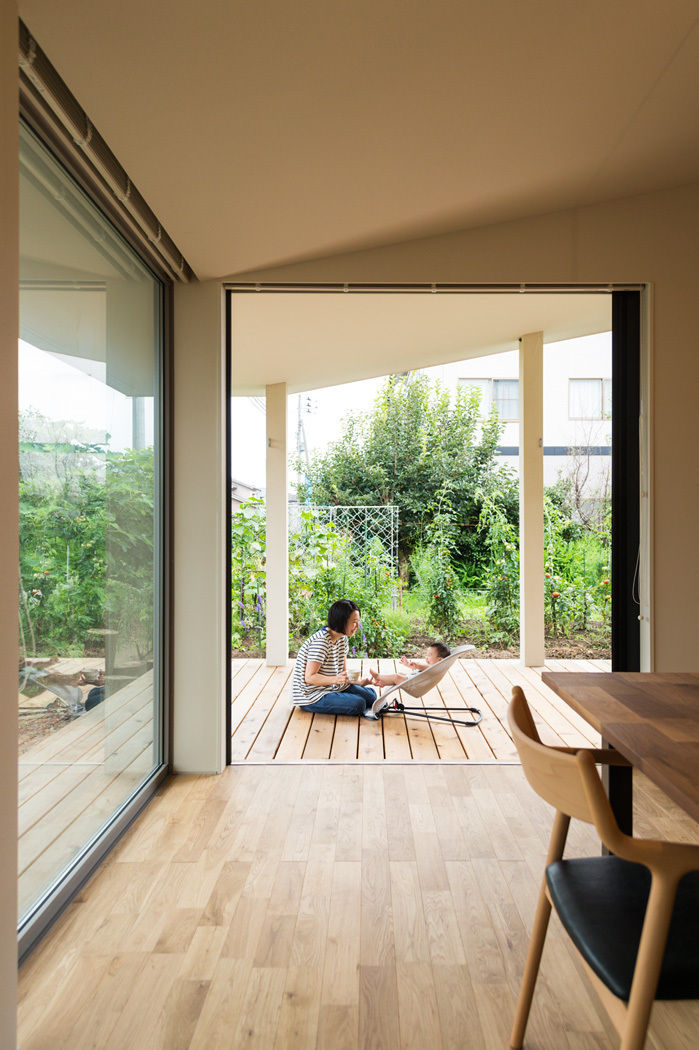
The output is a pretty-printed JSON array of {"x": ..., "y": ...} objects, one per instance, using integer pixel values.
[
  {"x": 71, "y": 782},
  {"x": 265, "y": 728}
]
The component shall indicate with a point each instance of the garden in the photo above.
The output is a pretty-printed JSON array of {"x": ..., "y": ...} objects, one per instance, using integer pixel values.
[
  {"x": 86, "y": 545},
  {"x": 451, "y": 567}
]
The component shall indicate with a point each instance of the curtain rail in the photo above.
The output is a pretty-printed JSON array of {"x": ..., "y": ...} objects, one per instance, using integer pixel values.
[
  {"x": 58, "y": 102},
  {"x": 426, "y": 289}
]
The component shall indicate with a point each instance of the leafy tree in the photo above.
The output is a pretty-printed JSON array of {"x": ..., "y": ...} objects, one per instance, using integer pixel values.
[
  {"x": 86, "y": 542},
  {"x": 416, "y": 440}
]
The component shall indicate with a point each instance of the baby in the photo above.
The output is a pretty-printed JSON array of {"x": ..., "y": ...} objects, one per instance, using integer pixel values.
[{"x": 434, "y": 652}]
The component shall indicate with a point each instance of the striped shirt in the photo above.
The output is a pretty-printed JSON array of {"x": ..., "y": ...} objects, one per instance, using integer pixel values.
[{"x": 331, "y": 656}]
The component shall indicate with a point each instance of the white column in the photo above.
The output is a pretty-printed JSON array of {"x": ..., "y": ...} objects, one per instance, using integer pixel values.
[
  {"x": 277, "y": 515},
  {"x": 531, "y": 499}
]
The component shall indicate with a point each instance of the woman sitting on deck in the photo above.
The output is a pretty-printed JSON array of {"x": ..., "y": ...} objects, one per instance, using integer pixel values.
[{"x": 320, "y": 680}]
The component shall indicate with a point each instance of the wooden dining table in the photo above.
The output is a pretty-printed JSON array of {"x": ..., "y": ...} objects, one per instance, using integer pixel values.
[{"x": 652, "y": 719}]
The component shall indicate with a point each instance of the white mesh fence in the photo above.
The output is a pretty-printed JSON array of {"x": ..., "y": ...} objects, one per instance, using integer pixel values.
[{"x": 363, "y": 524}]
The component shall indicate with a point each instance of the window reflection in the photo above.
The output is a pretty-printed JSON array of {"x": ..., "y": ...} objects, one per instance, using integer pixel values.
[{"x": 88, "y": 362}]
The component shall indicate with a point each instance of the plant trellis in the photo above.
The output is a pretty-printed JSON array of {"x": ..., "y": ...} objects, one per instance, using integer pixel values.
[{"x": 364, "y": 524}]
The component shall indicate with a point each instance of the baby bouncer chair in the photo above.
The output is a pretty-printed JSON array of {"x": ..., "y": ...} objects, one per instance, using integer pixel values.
[{"x": 416, "y": 686}]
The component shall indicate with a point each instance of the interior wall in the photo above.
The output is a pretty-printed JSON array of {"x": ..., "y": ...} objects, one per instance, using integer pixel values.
[
  {"x": 9, "y": 328},
  {"x": 199, "y": 645},
  {"x": 653, "y": 239}
]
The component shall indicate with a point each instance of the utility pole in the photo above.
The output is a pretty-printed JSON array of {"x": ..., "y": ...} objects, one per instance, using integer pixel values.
[{"x": 304, "y": 406}]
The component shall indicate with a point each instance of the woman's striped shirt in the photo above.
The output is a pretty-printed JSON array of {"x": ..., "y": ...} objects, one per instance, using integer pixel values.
[{"x": 331, "y": 656}]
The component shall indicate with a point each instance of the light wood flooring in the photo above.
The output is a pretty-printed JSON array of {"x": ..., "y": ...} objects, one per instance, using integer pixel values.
[
  {"x": 72, "y": 781},
  {"x": 265, "y": 727},
  {"x": 327, "y": 907}
]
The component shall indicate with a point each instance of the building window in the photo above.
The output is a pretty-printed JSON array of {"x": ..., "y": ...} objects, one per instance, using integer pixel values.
[
  {"x": 484, "y": 388},
  {"x": 500, "y": 394},
  {"x": 506, "y": 399},
  {"x": 589, "y": 399}
]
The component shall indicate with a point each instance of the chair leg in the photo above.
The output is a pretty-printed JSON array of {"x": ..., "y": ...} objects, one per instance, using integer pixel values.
[
  {"x": 557, "y": 843},
  {"x": 648, "y": 962},
  {"x": 531, "y": 969}
]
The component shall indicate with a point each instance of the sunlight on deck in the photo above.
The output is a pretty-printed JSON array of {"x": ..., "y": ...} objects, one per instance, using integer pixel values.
[{"x": 266, "y": 728}]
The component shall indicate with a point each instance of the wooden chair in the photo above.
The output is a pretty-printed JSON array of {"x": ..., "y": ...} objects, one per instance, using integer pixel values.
[{"x": 633, "y": 915}]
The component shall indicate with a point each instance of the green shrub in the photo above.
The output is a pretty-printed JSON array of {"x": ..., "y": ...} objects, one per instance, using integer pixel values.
[{"x": 434, "y": 567}]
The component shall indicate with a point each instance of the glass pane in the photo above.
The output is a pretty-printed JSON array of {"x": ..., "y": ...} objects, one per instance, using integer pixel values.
[
  {"x": 585, "y": 399},
  {"x": 607, "y": 398},
  {"x": 88, "y": 360},
  {"x": 483, "y": 386},
  {"x": 506, "y": 398}
]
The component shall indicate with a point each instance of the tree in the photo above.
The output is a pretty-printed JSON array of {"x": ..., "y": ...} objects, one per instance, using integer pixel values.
[
  {"x": 416, "y": 440},
  {"x": 86, "y": 547}
]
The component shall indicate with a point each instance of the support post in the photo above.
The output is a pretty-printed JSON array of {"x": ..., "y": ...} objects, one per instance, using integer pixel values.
[
  {"x": 277, "y": 516},
  {"x": 531, "y": 499}
]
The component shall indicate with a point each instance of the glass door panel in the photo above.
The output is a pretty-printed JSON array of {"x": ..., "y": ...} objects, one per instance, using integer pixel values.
[{"x": 89, "y": 368}]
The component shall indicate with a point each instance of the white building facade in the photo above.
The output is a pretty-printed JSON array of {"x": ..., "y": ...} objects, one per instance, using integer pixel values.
[{"x": 577, "y": 407}]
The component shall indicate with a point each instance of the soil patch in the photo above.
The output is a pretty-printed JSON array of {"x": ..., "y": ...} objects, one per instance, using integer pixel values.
[{"x": 33, "y": 728}]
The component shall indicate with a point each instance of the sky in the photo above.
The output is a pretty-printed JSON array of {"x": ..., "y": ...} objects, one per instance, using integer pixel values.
[
  {"x": 322, "y": 424},
  {"x": 60, "y": 390}
]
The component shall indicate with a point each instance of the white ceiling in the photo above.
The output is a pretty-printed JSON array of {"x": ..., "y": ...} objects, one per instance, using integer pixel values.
[
  {"x": 264, "y": 131},
  {"x": 315, "y": 340}
]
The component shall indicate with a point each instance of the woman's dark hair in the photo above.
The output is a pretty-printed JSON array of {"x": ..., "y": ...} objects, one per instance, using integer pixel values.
[
  {"x": 339, "y": 613},
  {"x": 442, "y": 650}
]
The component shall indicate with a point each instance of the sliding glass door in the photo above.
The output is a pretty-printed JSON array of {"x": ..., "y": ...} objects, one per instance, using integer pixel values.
[{"x": 90, "y": 659}]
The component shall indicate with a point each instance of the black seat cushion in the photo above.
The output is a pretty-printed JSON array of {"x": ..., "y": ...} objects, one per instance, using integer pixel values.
[{"x": 602, "y": 902}]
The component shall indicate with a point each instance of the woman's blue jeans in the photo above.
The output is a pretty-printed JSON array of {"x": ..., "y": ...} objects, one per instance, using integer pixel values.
[{"x": 354, "y": 700}]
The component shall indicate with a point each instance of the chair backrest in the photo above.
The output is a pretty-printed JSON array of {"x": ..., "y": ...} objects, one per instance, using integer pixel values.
[
  {"x": 554, "y": 775},
  {"x": 421, "y": 683}
]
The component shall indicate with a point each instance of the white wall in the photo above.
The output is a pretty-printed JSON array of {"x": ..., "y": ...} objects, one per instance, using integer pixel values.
[
  {"x": 589, "y": 356},
  {"x": 651, "y": 239},
  {"x": 9, "y": 331},
  {"x": 199, "y": 643}
]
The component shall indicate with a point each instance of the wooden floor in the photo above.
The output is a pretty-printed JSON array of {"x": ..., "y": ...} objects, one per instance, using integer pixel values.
[
  {"x": 265, "y": 727},
  {"x": 326, "y": 907},
  {"x": 73, "y": 780}
]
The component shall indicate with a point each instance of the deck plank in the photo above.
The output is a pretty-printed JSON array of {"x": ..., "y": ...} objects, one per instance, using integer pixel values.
[
  {"x": 320, "y": 737},
  {"x": 422, "y": 742},
  {"x": 242, "y": 702},
  {"x": 559, "y": 723},
  {"x": 530, "y": 680},
  {"x": 295, "y": 735},
  {"x": 494, "y": 723},
  {"x": 245, "y": 733},
  {"x": 274, "y": 727},
  {"x": 72, "y": 782},
  {"x": 268, "y": 728},
  {"x": 346, "y": 739},
  {"x": 395, "y": 731},
  {"x": 38, "y": 774},
  {"x": 472, "y": 739}
]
